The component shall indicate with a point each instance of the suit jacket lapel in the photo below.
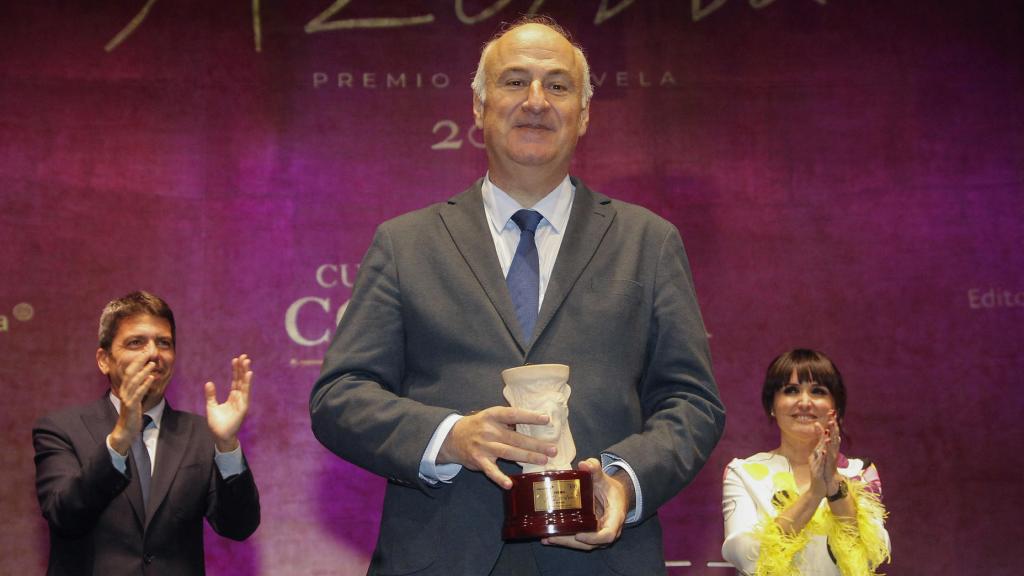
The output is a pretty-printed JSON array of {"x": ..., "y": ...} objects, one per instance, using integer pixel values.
[
  {"x": 100, "y": 422},
  {"x": 591, "y": 216},
  {"x": 467, "y": 224},
  {"x": 172, "y": 443}
]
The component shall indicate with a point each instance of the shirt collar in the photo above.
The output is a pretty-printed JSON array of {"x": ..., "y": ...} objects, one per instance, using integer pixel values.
[
  {"x": 554, "y": 207},
  {"x": 156, "y": 412}
]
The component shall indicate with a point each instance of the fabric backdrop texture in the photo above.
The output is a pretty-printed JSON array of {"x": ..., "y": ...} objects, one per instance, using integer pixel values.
[{"x": 846, "y": 175}]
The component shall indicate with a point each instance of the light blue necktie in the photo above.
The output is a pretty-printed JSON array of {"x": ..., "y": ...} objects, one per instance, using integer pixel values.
[{"x": 524, "y": 273}]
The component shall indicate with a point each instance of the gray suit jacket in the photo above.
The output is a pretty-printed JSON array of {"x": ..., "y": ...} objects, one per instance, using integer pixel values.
[
  {"x": 95, "y": 513},
  {"x": 431, "y": 325}
]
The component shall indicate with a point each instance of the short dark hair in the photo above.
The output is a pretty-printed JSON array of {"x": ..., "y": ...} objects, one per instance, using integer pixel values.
[
  {"x": 127, "y": 306},
  {"x": 810, "y": 366}
]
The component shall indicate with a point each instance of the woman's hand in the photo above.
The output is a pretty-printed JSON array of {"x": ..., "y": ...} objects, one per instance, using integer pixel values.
[
  {"x": 821, "y": 461},
  {"x": 831, "y": 463},
  {"x": 818, "y": 464}
]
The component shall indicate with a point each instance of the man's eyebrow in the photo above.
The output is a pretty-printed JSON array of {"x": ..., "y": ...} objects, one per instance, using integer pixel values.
[
  {"x": 523, "y": 70},
  {"x": 513, "y": 70},
  {"x": 518, "y": 69},
  {"x": 131, "y": 335},
  {"x": 559, "y": 72}
]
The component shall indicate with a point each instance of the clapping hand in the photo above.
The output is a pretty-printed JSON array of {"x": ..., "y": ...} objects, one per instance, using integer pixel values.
[
  {"x": 831, "y": 464},
  {"x": 824, "y": 459},
  {"x": 138, "y": 377},
  {"x": 226, "y": 419}
]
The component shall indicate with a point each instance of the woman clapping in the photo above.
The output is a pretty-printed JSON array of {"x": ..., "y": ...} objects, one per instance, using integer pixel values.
[{"x": 804, "y": 508}]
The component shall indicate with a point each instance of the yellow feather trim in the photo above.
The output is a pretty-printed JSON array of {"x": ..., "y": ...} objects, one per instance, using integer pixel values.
[
  {"x": 857, "y": 545},
  {"x": 779, "y": 550}
]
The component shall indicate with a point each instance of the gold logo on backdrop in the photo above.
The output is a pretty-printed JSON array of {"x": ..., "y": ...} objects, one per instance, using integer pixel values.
[
  {"x": 325, "y": 21},
  {"x": 22, "y": 312}
]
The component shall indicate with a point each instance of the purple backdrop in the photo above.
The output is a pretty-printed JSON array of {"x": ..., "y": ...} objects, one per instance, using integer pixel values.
[{"x": 846, "y": 175}]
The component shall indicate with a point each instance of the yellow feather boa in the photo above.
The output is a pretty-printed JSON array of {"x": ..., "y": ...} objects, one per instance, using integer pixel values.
[{"x": 856, "y": 544}]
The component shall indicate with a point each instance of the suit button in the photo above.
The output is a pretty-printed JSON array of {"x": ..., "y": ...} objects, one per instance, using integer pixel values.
[{"x": 148, "y": 558}]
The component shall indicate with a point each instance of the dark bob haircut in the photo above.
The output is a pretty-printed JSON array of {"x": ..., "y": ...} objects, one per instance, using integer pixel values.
[{"x": 810, "y": 366}]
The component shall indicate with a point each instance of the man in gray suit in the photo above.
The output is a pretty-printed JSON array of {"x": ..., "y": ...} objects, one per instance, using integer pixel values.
[{"x": 411, "y": 387}]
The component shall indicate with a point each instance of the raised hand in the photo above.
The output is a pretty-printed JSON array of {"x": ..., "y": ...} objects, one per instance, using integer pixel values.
[
  {"x": 818, "y": 463},
  {"x": 832, "y": 441},
  {"x": 225, "y": 419},
  {"x": 138, "y": 377},
  {"x": 613, "y": 496},
  {"x": 478, "y": 440}
]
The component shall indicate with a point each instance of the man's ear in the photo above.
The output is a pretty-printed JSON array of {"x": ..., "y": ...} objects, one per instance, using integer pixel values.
[
  {"x": 103, "y": 361},
  {"x": 478, "y": 112},
  {"x": 584, "y": 120}
]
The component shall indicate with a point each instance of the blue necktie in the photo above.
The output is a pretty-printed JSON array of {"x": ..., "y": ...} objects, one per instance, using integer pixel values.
[
  {"x": 524, "y": 273},
  {"x": 142, "y": 461}
]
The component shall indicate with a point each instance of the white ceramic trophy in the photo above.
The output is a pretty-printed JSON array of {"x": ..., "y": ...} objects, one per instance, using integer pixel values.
[{"x": 550, "y": 499}]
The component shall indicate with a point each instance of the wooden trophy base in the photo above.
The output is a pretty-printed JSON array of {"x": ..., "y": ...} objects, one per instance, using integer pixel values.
[{"x": 552, "y": 503}]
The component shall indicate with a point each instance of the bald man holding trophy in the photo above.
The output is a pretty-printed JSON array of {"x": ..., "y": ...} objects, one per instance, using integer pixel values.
[{"x": 526, "y": 267}]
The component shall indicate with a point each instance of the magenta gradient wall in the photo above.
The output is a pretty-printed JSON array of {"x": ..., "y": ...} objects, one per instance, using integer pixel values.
[{"x": 846, "y": 175}]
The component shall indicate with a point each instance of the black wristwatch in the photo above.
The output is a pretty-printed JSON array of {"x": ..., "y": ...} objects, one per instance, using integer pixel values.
[{"x": 840, "y": 493}]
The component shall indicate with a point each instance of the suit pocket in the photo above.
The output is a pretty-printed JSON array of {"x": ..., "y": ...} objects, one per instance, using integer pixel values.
[
  {"x": 618, "y": 287},
  {"x": 610, "y": 313}
]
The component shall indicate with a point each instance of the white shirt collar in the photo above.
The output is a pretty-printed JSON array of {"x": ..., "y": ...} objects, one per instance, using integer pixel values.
[{"x": 554, "y": 207}]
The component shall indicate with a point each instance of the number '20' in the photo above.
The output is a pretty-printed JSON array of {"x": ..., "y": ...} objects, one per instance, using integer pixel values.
[{"x": 449, "y": 129}]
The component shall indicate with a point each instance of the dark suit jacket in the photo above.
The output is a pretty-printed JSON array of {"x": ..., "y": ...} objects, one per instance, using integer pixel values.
[
  {"x": 431, "y": 325},
  {"x": 97, "y": 522}
]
